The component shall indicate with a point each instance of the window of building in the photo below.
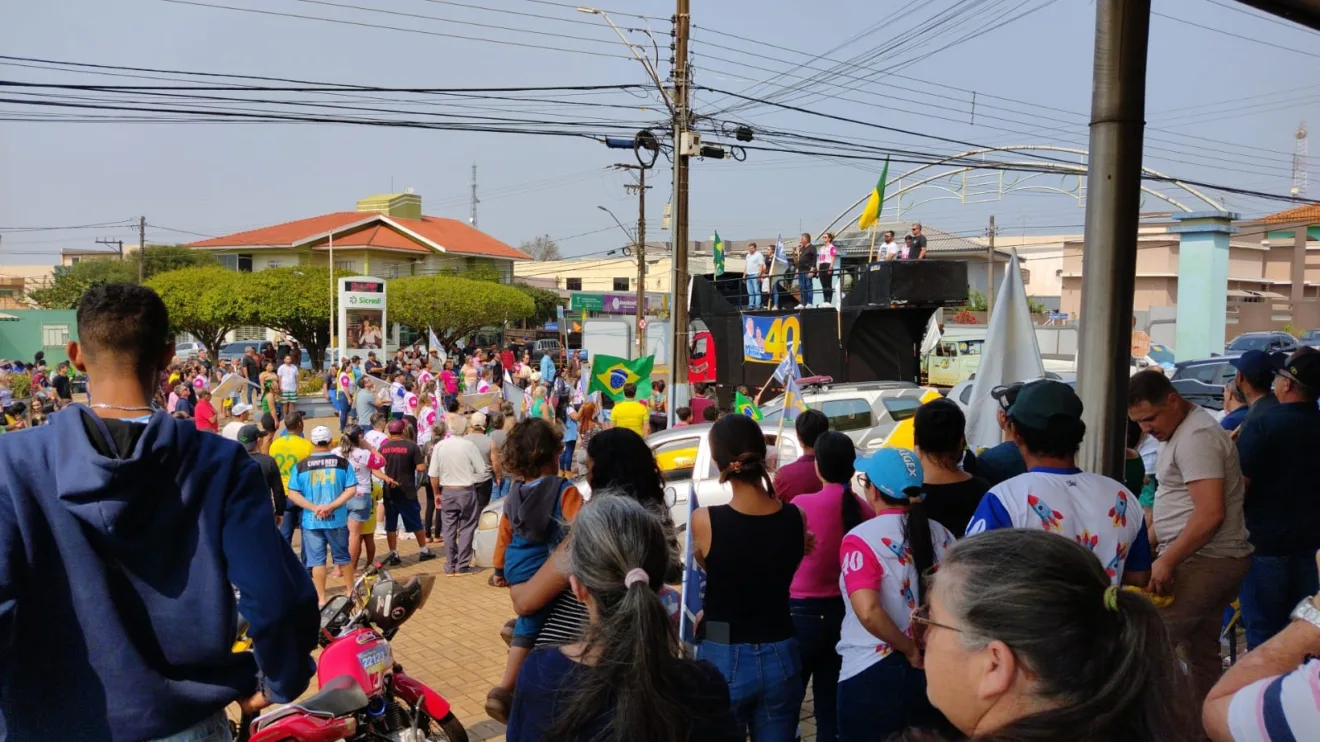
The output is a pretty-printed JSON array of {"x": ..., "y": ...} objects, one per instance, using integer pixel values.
[
  {"x": 1026, "y": 275},
  {"x": 229, "y": 262},
  {"x": 248, "y": 333},
  {"x": 272, "y": 264},
  {"x": 573, "y": 284},
  {"x": 620, "y": 284},
  {"x": 244, "y": 263},
  {"x": 346, "y": 265},
  {"x": 7, "y": 292},
  {"x": 54, "y": 336},
  {"x": 73, "y": 261}
]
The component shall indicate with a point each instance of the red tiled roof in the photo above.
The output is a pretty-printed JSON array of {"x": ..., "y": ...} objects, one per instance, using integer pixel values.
[
  {"x": 1305, "y": 212},
  {"x": 452, "y": 235}
]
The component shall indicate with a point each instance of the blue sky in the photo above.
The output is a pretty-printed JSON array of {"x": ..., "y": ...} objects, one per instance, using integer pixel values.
[{"x": 1213, "y": 94}]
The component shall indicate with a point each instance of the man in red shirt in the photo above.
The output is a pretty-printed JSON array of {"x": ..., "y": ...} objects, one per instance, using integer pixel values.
[
  {"x": 204, "y": 414},
  {"x": 799, "y": 477}
]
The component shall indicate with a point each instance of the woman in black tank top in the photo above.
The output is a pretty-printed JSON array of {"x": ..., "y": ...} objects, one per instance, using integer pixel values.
[{"x": 750, "y": 549}]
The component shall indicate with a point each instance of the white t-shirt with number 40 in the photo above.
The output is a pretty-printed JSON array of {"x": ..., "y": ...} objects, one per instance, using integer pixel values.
[{"x": 875, "y": 556}]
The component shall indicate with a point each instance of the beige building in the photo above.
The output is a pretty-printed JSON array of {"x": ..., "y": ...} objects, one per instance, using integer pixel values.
[{"x": 17, "y": 280}]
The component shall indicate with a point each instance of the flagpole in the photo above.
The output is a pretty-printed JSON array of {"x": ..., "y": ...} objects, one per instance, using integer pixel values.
[
  {"x": 870, "y": 258},
  {"x": 783, "y": 413}
]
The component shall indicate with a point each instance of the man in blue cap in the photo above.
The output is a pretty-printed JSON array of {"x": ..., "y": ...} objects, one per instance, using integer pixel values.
[
  {"x": 1277, "y": 450},
  {"x": 1255, "y": 377},
  {"x": 1045, "y": 421}
]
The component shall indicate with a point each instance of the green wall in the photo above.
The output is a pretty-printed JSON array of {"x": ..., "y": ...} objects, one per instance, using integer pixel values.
[{"x": 22, "y": 339}]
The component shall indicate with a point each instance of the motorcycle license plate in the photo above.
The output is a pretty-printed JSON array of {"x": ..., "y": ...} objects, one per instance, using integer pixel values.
[{"x": 374, "y": 660}]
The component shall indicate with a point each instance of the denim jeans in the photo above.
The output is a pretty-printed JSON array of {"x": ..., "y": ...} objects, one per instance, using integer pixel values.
[
  {"x": 345, "y": 407},
  {"x": 765, "y": 686},
  {"x": 816, "y": 623},
  {"x": 1273, "y": 587},
  {"x": 292, "y": 519},
  {"x": 804, "y": 286},
  {"x": 884, "y": 699},
  {"x": 211, "y": 729},
  {"x": 753, "y": 292}
]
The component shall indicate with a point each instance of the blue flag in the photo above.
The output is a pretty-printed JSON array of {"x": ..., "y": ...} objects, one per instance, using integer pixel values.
[
  {"x": 694, "y": 580},
  {"x": 780, "y": 255},
  {"x": 787, "y": 368},
  {"x": 793, "y": 404}
]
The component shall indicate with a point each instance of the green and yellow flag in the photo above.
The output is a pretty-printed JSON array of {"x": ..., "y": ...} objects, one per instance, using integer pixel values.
[
  {"x": 610, "y": 373},
  {"x": 719, "y": 255},
  {"x": 743, "y": 405},
  {"x": 877, "y": 201}
]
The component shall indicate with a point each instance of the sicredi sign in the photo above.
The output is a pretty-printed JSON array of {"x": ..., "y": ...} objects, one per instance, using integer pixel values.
[{"x": 361, "y": 313}]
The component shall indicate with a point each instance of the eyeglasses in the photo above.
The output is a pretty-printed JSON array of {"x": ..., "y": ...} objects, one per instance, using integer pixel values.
[{"x": 921, "y": 616}]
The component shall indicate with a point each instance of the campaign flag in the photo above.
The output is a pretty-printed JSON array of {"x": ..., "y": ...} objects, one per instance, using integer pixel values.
[
  {"x": 743, "y": 405},
  {"x": 788, "y": 368},
  {"x": 719, "y": 255},
  {"x": 780, "y": 255},
  {"x": 614, "y": 372},
  {"x": 513, "y": 395},
  {"x": 584, "y": 378},
  {"x": 694, "y": 579},
  {"x": 231, "y": 385},
  {"x": 876, "y": 202},
  {"x": 793, "y": 404}
]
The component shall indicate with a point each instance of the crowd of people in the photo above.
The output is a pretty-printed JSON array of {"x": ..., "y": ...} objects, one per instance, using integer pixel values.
[
  {"x": 924, "y": 594},
  {"x": 769, "y": 277}
]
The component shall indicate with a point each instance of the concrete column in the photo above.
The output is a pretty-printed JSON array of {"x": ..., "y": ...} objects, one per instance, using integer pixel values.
[
  {"x": 1298, "y": 272},
  {"x": 1202, "y": 281}
]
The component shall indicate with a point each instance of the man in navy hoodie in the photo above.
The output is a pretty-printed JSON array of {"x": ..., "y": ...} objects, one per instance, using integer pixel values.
[{"x": 122, "y": 535}]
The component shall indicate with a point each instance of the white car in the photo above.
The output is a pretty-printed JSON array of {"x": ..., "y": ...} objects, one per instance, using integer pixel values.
[
  {"x": 188, "y": 350},
  {"x": 686, "y": 464}
]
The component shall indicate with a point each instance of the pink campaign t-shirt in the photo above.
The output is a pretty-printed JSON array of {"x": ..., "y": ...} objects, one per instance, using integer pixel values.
[{"x": 818, "y": 574}]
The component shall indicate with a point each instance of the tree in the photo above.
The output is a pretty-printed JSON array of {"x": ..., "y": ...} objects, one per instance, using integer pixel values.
[
  {"x": 547, "y": 302},
  {"x": 454, "y": 307},
  {"x": 541, "y": 248},
  {"x": 1034, "y": 306},
  {"x": 298, "y": 301},
  {"x": 206, "y": 303},
  {"x": 975, "y": 301},
  {"x": 72, "y": 281}
]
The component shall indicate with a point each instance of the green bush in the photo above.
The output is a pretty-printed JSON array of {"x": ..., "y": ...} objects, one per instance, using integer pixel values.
[{"x": 20, "y": 385}]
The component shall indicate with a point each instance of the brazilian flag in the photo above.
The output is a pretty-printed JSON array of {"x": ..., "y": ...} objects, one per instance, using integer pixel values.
[
  {"x": 610, "y": 373},
  {"x": 744, "y": 405}
]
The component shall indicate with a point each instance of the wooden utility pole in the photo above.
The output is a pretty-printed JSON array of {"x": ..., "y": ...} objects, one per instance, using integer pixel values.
[
  {"x": 641, "y": 261},
  {"x": 678, "y": 314},
  {"x": 117, "y": 243},
  {"x": 142, "y": 249},
  {"x": 990, "y": 272}
]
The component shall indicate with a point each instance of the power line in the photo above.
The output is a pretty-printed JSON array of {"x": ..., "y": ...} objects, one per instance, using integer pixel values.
[
  {"x": 401, "y": 29},
  {"x": 1261, "y": 17},
  {"x": 98, "y": 225},
  {"x": 1233, "y": 35}
]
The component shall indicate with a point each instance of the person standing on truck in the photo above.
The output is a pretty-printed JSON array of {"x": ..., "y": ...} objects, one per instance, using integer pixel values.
[
  {"x": 804, "y": 259},
  {"x": 752, "y": 274}
]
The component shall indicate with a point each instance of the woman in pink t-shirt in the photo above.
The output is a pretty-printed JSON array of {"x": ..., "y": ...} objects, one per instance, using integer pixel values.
[{"x": 816, "y": 599}]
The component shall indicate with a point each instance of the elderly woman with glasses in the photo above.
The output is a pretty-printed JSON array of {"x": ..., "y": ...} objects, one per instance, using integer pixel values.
[
  {"x": 882, "y": 688},
  {"x": 1025, "y": 638}
]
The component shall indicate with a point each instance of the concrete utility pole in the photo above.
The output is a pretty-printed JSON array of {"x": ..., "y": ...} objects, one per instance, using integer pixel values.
[
  {"x": 472, "y": 215},
  {"x": 118, "y": 243},
  {"x": 678, "y": 314},
  {"x": 142, "y": 249},
  {"x": 1113, "y": 200},
  {"x": 641, "y": 256},
  {"x": 990, "y": 271}
]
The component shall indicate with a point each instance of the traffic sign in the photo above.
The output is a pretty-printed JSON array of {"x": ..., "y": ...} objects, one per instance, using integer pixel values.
[{"x": 641, "y": 323}]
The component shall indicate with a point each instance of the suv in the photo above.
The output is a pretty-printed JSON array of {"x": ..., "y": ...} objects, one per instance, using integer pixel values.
[
  {"x": 1270, "y": 342},
  {"x": 1310, "y": 338},
  {"x": 866, "y": 411},
  {"x": 1202, "y": 382}
]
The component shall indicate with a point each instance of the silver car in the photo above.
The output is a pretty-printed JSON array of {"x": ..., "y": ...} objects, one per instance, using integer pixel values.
[
  {"x": 866, "y": 411},
  {"x": 686, "y": 463}
]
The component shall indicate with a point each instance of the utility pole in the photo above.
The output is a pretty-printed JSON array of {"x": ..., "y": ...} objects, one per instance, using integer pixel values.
[
  {"x": 990, "y": 272},
  {"x": 142, "y": 249},
  {"x": 641, "y": 257},
  {"x": 118, "y": 243},
  {"x": 678, "y": 355},
  {"x": 472, "y": 215}
]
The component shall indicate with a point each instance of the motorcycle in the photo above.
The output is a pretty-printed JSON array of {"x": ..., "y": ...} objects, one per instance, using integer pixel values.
[{"x": 364, "y": 694}]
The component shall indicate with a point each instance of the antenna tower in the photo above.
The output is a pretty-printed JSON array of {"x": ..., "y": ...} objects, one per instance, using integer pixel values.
[{"x": 1299, "y": 162}]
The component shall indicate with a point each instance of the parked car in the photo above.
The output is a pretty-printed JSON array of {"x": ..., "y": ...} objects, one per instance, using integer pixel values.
[
  {"x": 1202, "y": 381},
  {"x": 1310, "y": 338},
  {"x": 962, "y": 393},
  {"x": 866, "y": 411},
  {"x": 685, "y": 463},
  {"x": 188, "y": 350},
  {"x": 1267, "y": 341},
  {"x": 234, "y": 351}
]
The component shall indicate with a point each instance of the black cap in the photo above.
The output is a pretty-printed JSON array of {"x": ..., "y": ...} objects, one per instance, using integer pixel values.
[
  {"x": 1303, "y": 368},
  {"x": 1006, "y": 394},
  {"x": 248, "y": 435}
]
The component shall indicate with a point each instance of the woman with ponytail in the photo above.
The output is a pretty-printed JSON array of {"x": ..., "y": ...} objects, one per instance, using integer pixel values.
[
  {"x": 816, "y": 600},
  {"x": 1027, "y": 639},
  {"x": 882, "y": 689},
  {"x": 750, "y": 550},
  {"x": 627, "y": 678}
]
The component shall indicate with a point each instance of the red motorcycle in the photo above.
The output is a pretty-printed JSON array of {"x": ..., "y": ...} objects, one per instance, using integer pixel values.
[{"x": 364, "y": 694}]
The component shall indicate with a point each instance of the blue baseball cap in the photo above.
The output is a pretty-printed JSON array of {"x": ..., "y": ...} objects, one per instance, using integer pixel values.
[
  {"x": 1258, "y": 366},
  {"x": 893, "y": 471}
]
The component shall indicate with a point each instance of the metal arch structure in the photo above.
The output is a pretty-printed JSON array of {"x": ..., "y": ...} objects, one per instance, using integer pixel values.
[{"x": 1079, "y": 170}]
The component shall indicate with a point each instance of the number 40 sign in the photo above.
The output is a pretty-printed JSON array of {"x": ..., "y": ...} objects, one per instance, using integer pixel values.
[{"x": 766, "y": 339}]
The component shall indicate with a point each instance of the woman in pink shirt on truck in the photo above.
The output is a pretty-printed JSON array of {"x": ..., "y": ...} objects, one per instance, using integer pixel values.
[{"x": 816, "y": 600}]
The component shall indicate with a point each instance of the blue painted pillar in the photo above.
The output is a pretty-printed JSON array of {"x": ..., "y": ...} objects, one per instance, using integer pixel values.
[{"x": 1202, "y": 281}]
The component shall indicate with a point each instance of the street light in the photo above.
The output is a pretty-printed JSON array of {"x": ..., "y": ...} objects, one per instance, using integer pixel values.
[
  {"x": 616, "y": 221},
  {"x": 633, "y": 48}
]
